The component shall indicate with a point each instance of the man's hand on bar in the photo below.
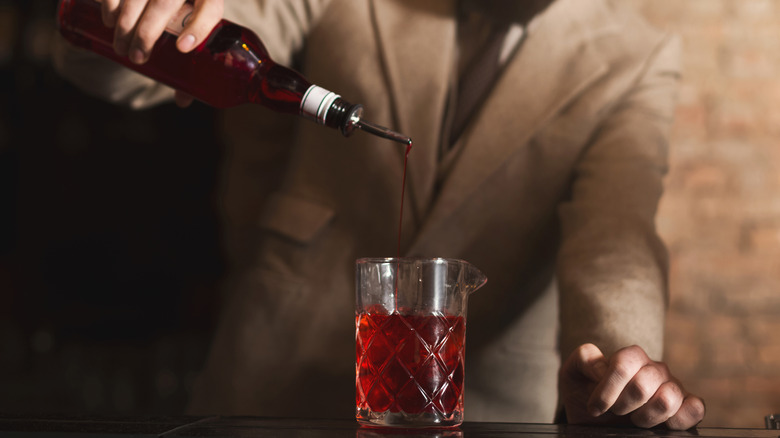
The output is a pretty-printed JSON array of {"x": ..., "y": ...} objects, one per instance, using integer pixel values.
[{"x": 626, "y": 388}]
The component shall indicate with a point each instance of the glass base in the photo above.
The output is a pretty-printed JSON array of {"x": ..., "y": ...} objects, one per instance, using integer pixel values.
[{"x": 367, "y": 417}]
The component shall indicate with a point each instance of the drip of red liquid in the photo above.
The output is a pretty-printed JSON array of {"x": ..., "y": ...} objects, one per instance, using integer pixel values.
[{"x": 401, "y": 221}]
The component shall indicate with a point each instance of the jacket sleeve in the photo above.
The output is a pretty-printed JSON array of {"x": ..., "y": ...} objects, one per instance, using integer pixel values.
[
  {"x": 612, "y": 266},
  {"x": 281, "y": 24}
]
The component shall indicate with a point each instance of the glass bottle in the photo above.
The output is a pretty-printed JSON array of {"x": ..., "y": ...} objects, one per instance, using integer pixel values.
[{"x": 231, "y": 67}]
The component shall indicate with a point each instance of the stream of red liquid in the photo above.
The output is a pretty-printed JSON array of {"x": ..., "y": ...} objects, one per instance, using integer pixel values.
[
  {"x": 403, "y": 190},
  {"x": 401, "y": 220}
]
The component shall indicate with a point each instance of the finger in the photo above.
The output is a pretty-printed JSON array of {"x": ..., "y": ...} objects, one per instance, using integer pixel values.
[
  {"x": 622, "y": 368},
  {"x": 641, "y": 388},
  {"x": 110, "y": 11},
  {"x": 662, "y": 405},
  {"x": 129, "y": 14},
  {"x": 588, "y": 361},
  {"x": 689, "y": 415},
  {"x": 151, "y": 26},
  {"x": 205, "y": 16},
  {"x": 183, "y": 99}
]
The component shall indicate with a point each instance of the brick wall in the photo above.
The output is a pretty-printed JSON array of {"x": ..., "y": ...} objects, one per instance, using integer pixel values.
[{"x": 720, "y": 216}]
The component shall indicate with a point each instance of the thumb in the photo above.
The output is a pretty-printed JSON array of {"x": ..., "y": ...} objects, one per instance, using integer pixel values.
[{"x": 590, "y": 362}]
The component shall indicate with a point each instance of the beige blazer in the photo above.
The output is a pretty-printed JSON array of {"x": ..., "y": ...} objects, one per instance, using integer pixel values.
[{"x": 552, "y": 195}]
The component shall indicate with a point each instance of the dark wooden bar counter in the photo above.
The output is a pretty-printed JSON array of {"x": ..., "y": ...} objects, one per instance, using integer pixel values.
[{"x": 259, "y": 427}]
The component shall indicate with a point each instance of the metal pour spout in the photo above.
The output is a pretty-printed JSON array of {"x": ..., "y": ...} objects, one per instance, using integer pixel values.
[
  {"x": 383, "y": 132},
  {"x": 355, "y": 121}
]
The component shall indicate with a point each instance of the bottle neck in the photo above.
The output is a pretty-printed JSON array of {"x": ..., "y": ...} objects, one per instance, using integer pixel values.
[
  {"x": 343, "y": 116},
  {"x": 329, "y": 109}
]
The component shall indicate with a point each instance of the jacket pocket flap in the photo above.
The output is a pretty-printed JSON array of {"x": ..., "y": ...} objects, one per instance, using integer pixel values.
[{"x": 296, "y": 218}]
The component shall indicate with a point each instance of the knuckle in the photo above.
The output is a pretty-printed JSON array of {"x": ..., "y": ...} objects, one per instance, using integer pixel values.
[
  {"x": 639, "y": 390},
  {"x": 623, "y": 370},
  {"x": 663, "y": 368},
  {"x": 664, "y": 402},
  {"x": 690, "y": 414},
  {"x": 696, "y": 409},
  {"x": 632, "y": 352},
  {"x": 124, "y": 26},
  {"x": 668, "y": 397},
  {"x": 628, "y": 361}
]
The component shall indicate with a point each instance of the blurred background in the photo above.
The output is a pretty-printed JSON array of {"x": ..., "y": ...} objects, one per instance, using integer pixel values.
[
  {"x": 720, "y": 215},
  {"x": 110, "y": 247}
]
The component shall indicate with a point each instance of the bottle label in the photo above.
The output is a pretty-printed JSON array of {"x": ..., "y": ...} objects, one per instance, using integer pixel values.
[{"x": 316, "y": 102}]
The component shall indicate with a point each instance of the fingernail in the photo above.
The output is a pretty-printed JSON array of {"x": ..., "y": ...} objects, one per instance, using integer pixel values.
[
  {"x": 138, "y": 56},
  {"x": 186, "y": 43}
]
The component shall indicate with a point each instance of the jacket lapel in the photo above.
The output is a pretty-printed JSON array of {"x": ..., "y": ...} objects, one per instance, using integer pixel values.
[
  {"x": 556, "y": 63},
  {"x": 417, "y": 43}
]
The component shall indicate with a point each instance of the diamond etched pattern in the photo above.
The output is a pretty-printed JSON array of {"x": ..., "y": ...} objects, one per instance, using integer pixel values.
[{"x": 410, "y": 364}]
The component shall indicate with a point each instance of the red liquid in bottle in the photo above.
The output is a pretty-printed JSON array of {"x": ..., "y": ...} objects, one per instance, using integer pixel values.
[
  {"x": 230, "y": 68},
  {"x": 410, "y": 363}
]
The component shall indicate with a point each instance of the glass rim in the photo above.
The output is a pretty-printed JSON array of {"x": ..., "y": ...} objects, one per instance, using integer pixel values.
[{"x": 407, "y": 260}]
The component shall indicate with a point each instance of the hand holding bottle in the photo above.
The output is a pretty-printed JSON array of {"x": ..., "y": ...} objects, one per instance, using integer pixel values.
[
  {"x": 230, "y": 65},
  {"x": 139, "y": 23}
]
